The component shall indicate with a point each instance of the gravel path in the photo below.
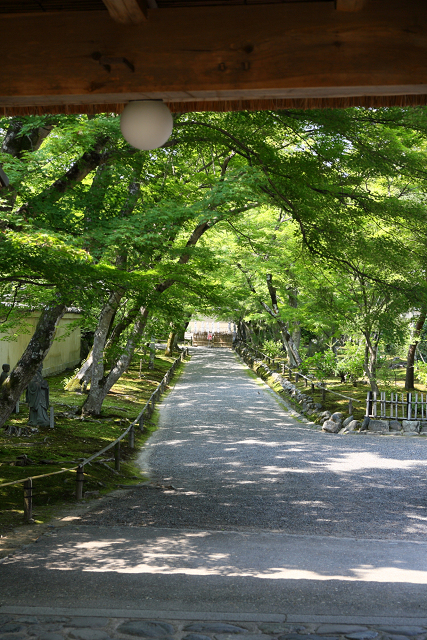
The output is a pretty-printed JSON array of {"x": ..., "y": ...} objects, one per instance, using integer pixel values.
[{"x": 228, "y": 456}]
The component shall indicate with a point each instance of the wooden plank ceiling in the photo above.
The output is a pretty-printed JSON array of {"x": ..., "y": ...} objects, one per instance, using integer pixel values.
[{"x": 96, "y": 55}]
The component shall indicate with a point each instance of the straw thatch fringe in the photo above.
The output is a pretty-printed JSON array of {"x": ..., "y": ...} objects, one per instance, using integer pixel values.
[{"x": 231, "y": 105}]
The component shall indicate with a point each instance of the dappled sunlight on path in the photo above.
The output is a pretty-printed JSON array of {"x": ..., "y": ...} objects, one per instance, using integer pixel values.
[{"x": 237, "y": 460}]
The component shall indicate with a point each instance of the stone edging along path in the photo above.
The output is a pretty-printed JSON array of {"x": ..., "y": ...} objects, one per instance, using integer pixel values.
[
  {"x": 102, "y": 626},
  {"x": 311, "y": 412}
]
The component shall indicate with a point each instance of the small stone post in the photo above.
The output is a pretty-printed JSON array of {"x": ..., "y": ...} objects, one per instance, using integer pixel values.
[
  {"x": 132, "y": 437},
  {"x": 28, "y": 499},
  {"x": 152, "y": 354}
]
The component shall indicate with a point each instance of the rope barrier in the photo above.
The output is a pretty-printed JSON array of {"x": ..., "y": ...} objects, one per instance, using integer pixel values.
[{"x": 137, "y": 420}]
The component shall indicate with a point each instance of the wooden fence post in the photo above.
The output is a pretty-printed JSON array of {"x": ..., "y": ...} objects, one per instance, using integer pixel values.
[
  {"x": 296, "y": 377},
  {"x": 140, "y": 368},
  {"x": 79, "y": 483},
  {"x": 52, "y": 417},
  {"x": 132, "y": 437},
  {"x": 306, "y": 381},
  {"x": 117, "y": 456},
  {"x": 141, "y": 422},
  {"x": 350, "y": 407},
  {"x": 409, "y": 406},
  {"x": 28, "y": 499},
  {"x": 323, "y": 394},
  {"x": 369, "y": 404},
  {"x": 312, "y": 387}
]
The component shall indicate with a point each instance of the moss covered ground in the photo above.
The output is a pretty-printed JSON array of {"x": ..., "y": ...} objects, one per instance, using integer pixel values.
[
  {"x": 358, "y": 392},
  {"x": 73, "y": 439}
]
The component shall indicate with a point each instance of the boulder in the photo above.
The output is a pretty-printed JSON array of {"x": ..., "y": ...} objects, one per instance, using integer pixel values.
[
  {"x": 411, "y": 426},
  {"x": 330, "y": 426},
  {"x": 347, "y": 421},
  {"x": 353, "y": 425},
  {"x": 365, "y": 423},
  {"x": 395, "y": 425},
  {"x": 380, "y": 426},
  {"x": 337, "y": 416}
]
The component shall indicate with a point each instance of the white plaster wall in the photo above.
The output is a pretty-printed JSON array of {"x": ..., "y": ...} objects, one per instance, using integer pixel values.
[{"x": 63, "y": 354}]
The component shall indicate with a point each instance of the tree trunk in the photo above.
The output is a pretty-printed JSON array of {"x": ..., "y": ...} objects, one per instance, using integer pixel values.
[
  {"x": 370, "y": 364},
  {"x": 101, "y": 386},
  {"x": 30, "y": 360},
  {"x": 410, "y": 376},
  {"x": 170, "y": 343},
  {"x": 84, "y": 375}
]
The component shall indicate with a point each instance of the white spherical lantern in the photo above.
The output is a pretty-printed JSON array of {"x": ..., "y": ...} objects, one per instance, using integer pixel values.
[{"x": 146, "y": 124}]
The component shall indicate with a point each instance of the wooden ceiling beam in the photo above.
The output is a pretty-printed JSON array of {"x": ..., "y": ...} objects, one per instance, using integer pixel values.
[
  {"x": 350, "y": 5},
  {"x": 127, "y": 11},
  {"x": 294, "y": 51}
]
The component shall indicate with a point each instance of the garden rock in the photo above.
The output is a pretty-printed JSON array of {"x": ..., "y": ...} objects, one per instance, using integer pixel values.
[
  {"x": 347, "y": 421},
  {"x": 380, "y": 426},
  {"x": 337, "y": 417},
  {"x": 353, "y": 425},
  {"x": 330, "y": 426},
  {"x": 411, "y": 425},
  {"x": 395, "y": 425},
  {"x": 365, "y": 423}
]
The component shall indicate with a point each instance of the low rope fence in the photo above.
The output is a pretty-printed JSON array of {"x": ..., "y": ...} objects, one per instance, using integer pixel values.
[
  {"x": 148, "y": 410},
  {"x": 309, "y": 380}
]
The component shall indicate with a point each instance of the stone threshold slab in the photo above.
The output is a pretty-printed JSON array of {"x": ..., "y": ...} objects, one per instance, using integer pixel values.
[{"x": 217, "y": 616}]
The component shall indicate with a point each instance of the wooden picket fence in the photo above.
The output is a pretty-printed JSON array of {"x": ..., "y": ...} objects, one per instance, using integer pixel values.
[
  {"x": 130, "y": 432},
  {"x": 400, "y": 406}
]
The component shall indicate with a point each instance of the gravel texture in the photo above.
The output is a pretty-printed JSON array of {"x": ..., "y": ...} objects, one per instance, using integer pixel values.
[{"x": 228, "y": 456}]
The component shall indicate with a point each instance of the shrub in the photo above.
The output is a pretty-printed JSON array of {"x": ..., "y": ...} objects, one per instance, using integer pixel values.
[
  {"x": 272, "y": 349},
  {"x": 323, "y": 364},
  {"x": 421, "y": 372},
  {"x": 350, "y": 362}
]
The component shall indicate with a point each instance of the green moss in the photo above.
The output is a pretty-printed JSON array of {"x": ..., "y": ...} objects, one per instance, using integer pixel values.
[{"x": 73, "y": 439}]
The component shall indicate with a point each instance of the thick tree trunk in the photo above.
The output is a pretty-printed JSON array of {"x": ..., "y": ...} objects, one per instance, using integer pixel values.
[
  {"x": 89, "y": 161},
  {"x": 410, "y": 376},
  {"x": 16, "y": 145},
  {"x": 86, "y": 371},
  {"x": 101, "y": 386},
  {"x": 170, "y": 344},
  {"x": 370, "y": 365},
  {"x": 30, "y": 360}
]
